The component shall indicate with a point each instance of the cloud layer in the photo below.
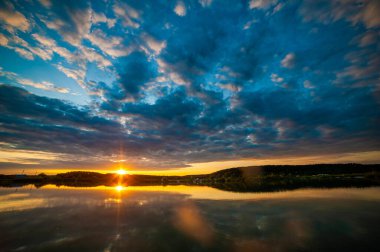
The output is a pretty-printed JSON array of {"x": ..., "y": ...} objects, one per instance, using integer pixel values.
[{"x": 170, "y": 84}]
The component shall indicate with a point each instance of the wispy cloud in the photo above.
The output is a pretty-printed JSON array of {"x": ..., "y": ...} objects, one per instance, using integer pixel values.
[
  {"x": 43, "y": 85},
  {"x": 76, "y": 74},
  {"x": 128, "y": 15},
  {"x": 12, "y": 17}
]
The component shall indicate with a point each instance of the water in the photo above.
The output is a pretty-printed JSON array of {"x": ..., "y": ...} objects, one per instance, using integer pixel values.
[{"x": 182, "y": 218}]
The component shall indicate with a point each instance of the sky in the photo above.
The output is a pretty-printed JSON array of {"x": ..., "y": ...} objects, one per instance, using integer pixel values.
[{"x": 182, "y": 87}]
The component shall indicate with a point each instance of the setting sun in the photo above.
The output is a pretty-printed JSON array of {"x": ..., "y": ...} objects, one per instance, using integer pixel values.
[
  {"x": 121, "y": 172},
  {"x": 119, "y": 188}
]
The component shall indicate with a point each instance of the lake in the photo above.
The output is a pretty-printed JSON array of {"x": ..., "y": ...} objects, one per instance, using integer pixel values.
[{"x": 188, "y": 218}]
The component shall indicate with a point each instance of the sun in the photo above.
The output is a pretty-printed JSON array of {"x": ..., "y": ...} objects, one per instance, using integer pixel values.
[
  {"x": 119, "y": 188},
  {"x": 121, "y": 172}
]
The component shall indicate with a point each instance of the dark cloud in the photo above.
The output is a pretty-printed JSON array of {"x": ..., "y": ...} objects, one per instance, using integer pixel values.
[
  {"x": 35, "y": 122},
  {"x": 175, "y": 107},
  {"x": 135, "y": 71}
]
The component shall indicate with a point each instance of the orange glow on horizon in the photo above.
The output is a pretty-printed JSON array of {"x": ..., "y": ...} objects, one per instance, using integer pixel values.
[{"x": 369, "y": 157}]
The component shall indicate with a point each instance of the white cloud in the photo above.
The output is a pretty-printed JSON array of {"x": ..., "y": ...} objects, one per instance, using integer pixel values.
[
  {"x": 261, "y": 4},
  {"x": 82, "y": 20},
  {"x": 27, "y": 51},
  {"x": 87, "y": 54},
  {"x": 101, "y": 18},
  {"x": 23, "y": 53},
  {"x": 230, "y": 86},
  {"x": 44, "y": 40},
  {"x": 127, "y": 14},
  {"x": 75, "y": 31},
  {"x": 3, "y": 40},
  {"x": 154, "y": 44},
  {"x": 180, "y": 9},
  {"x": 13, "y": 18},
  {"x": 166, "y": 69},
  {"x": 289, "y": 60},
  {"x": 249, "y": 24},
  {"x": 46, "y": 3},
  {"x": 24, "y": 49},
  {"x": 45, "y": 54},
  {"x": 308, "y": 84},
  {"x": 44, "y": 85},
  {"x": 205, "y": 3},
  {"x": 50, "y": 45},
  {"x": 110, "y": 45},
  {"x": 64, "y": 53},
  {"x": 275, "y": 78},
  {"x": 77, "y": 74},
  {"x": 19, "y": 41},
  {"x": 92, "y": 56}
]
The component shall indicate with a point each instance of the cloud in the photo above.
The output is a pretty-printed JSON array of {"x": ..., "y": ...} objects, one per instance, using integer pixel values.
[
  {"x": 59, "y": 128},
  {"x": 27, "y": 51},
  {"x": 289, "y": 60},
  {"x": 366, "y": 12},
  {"x": 101, "y": 18},
  {"x": 43, "y": 85},
  {"x": 127, "y": 14},
  {"x": 362, "y": 71},
  {"x": 275, "y": 78},
  {"x": 369, "y": 38},
  {"x": 154, "y": 44},
  {"x": 180, "y": 9},
  {"x": 371, "y": 14},
  {"x": 92, "y": 56},
  {"x": 71, "y": 19},
  {"x": 261, "y": 4},
  {"x": 50, "y": 43},
  {"x": 46, "y": 117},
  {"x": 47, "y": 47},
  {"x": 3, "y": 40},
  {"x": 176, "y": 89},
  {"x": 135, "y": 71},
  {"x": 24, "y": 53},
  {"x": 111, "y": 45},
  {"x": 176, "y": 107},
  {"x": 205, "y": 3},
  {"x": 46, "y": 3},
  {"x": 76, "y": 74},
  {"x": 13, "y": 18},
  {"x": 308, "y": 84}
]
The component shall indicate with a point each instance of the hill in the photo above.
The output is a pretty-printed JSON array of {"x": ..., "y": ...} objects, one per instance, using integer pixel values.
[{"x": 244, "y": 179}]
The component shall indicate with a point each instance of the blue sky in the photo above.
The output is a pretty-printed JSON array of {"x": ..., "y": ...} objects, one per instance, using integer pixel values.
[{"x": 159, "y": 85}]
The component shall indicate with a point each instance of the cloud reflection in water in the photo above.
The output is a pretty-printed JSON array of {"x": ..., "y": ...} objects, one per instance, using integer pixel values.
[{"x": 175, "y": 219}]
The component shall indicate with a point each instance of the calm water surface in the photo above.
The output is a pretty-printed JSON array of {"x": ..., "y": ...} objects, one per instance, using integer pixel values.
[{"x": 181, "y": 218}]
